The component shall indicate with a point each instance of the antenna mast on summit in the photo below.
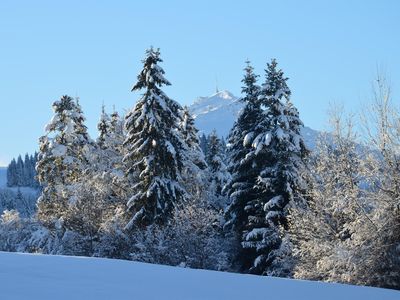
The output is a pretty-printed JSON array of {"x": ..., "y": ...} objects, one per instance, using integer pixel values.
[
  {"x": 216, "y": 85},
  {"x": 77, "y": 98}
]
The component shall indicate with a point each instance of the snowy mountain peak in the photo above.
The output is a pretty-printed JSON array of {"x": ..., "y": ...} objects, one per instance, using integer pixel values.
[
  {"x": 224, "y": 95},
  {"x": 220, "y": 95},
  {"x": 220, "y": 110},
  {"x": 215, "y": 102}
]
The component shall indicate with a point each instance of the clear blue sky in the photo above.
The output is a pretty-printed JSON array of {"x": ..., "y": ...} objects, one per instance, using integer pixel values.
[{"x": 329, "y": 49}]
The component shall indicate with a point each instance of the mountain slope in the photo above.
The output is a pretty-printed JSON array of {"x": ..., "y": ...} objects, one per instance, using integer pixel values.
[
  {"x": 220, "y": 110},
  {"x": 28, "y": 276}
]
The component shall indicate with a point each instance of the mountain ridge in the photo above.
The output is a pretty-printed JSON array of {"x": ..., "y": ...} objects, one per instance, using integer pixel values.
[{"x": 220, "y": 110}]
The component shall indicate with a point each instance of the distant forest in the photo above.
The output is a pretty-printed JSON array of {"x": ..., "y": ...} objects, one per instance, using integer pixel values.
[{"x": 22, "y": 173}]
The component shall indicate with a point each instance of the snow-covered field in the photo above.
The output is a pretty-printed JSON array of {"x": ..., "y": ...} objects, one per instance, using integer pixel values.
[{"x": 29, "y": 276}]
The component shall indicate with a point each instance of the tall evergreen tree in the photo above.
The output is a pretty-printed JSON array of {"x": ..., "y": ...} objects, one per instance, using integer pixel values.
[
  {"x": 190, "y": 136},
  {"x": 20, "y": 171},
  {"x": 12, "y": 173},
  {"x": 34, "y": 159},
  {"x": 117, "y": 127},
  {"x": 82, "y": 145},
  {"x": 62, "y": 159},
  {"x": 279, "y": 144},
  {"x": 109, "y": 154},
  {"x": 154, "y": 148},
  {"x": 266, "y": 159},
  {"x": 218, "y": 173},
  {"x": 111, "y": 135},
  {"x": 28, "y": 175},
  {"x": 193, "y": 173},
  {"x": 203, "y": 143},
  {"x": 103, "y": 127},
  {"x": 115, "y": 140},
  {"x": 243, "y": 214}
]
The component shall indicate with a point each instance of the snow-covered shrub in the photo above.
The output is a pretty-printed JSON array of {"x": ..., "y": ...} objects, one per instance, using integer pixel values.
[
  {"x": 193, "y": 238},
  {"x": 113, "y": 241},
  {"x": 21, "y": 234}
]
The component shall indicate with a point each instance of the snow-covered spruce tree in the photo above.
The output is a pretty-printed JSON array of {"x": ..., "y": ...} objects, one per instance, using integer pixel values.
[
  {"x": 193, "y": 173},
  {"x": 116, "y": 132},
  {"x": 115, "y": 146},
  {"x": 83, "y": 146},
  {"x": 272, "y": 161},
  {"x": 27, "y": 171},
  {"x": 203, "y": 143},
  {"x": 11, "y": 171},
  {"x": 34, "y": 159},
  {"x": 242, "y": 214},
  {"x": 106, "y": 152},
  {"x": 112, "y": 156},
  {"x": 217, "y": 171},
  {"x": 277, "y": 142},
  {"x": 103, "y": 127},
  {"x": 61, "y": 160},
  {"x": 190, "y": 136},
  {"x": 111, "y": 138},
  {"x": 20, "y": 171},
  {"x": 153, "y": 148}
]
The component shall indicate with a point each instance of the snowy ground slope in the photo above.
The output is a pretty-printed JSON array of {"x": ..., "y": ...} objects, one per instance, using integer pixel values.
[
  {"x": 220, "y": 111},
  {"x": 28, "y": 276},
  {"x": 3, "y": 177}
]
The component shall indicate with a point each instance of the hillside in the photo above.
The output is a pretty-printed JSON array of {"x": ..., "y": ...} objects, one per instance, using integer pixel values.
[
  {"x": 28, "y": 276},
  {"x": 220, "y": 110}
]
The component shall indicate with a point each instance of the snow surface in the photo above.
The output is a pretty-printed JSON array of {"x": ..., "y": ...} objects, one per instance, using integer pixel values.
[
  {"x": 33, "y": 276},
  {"x": 3, "y": 177},
  {"x": 220, "y": 110}
]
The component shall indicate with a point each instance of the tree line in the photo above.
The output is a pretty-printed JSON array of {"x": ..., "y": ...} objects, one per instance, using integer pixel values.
[
  {"x": 22, "y": 172},
  {"x": 149, "y": 189}
]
